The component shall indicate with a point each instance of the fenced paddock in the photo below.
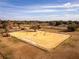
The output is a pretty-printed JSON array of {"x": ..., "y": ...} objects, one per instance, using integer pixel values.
[{"x": 41, "y": 39}]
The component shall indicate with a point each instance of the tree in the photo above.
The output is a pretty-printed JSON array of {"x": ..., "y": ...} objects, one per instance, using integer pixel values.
[{"x": 5, "y": 33}]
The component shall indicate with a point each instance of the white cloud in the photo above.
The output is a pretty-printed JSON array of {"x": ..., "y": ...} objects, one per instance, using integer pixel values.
[
  {"x": 66, "y": 5},
  {"x": 24, "y": 12},
  {"x": 40, "y": 8}
]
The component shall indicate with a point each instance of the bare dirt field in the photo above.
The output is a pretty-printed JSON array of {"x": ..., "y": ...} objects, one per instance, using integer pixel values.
[{"x": 11, "y": 48}]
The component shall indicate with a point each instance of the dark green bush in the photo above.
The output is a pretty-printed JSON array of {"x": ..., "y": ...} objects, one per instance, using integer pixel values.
[{"x": 72, "y": 27}]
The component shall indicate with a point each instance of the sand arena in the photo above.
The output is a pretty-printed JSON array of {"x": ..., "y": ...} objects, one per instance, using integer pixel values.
[{"x": 41, "y": 39}]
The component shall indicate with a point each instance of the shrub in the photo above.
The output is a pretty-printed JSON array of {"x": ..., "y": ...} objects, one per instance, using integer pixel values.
[
  {"x": 37, "y": 27},
  {"x": 5, "y": 34},
  {"x": 72, "y": 27},
  {"x": 22, "y": 28},
  {"x": 57, "y": 23}
]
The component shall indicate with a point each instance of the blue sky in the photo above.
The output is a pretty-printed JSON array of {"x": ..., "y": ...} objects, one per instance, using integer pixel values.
[{"x": 39, "y": 9}]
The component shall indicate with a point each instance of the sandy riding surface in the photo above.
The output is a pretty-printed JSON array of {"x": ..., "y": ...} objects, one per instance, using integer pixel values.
[{"x": 41, "y": 39}]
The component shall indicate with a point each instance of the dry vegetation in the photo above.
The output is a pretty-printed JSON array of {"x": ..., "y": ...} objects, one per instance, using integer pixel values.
[{"x": 11, "y": 48}]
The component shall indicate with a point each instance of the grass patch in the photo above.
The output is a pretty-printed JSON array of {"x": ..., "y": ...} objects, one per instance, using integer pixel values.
[
  {"x": 2, "y": 45},
  {"x": 78, "y": 29},
  {"x": 0, "y": 41},
  {"x": 15, "y": 40},
  {"x": 8, "y": 54},
  {"x": 69, "y": 43}
]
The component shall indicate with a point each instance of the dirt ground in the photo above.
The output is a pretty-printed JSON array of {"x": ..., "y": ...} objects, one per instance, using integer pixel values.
[{"x": 11, "y": 48}]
